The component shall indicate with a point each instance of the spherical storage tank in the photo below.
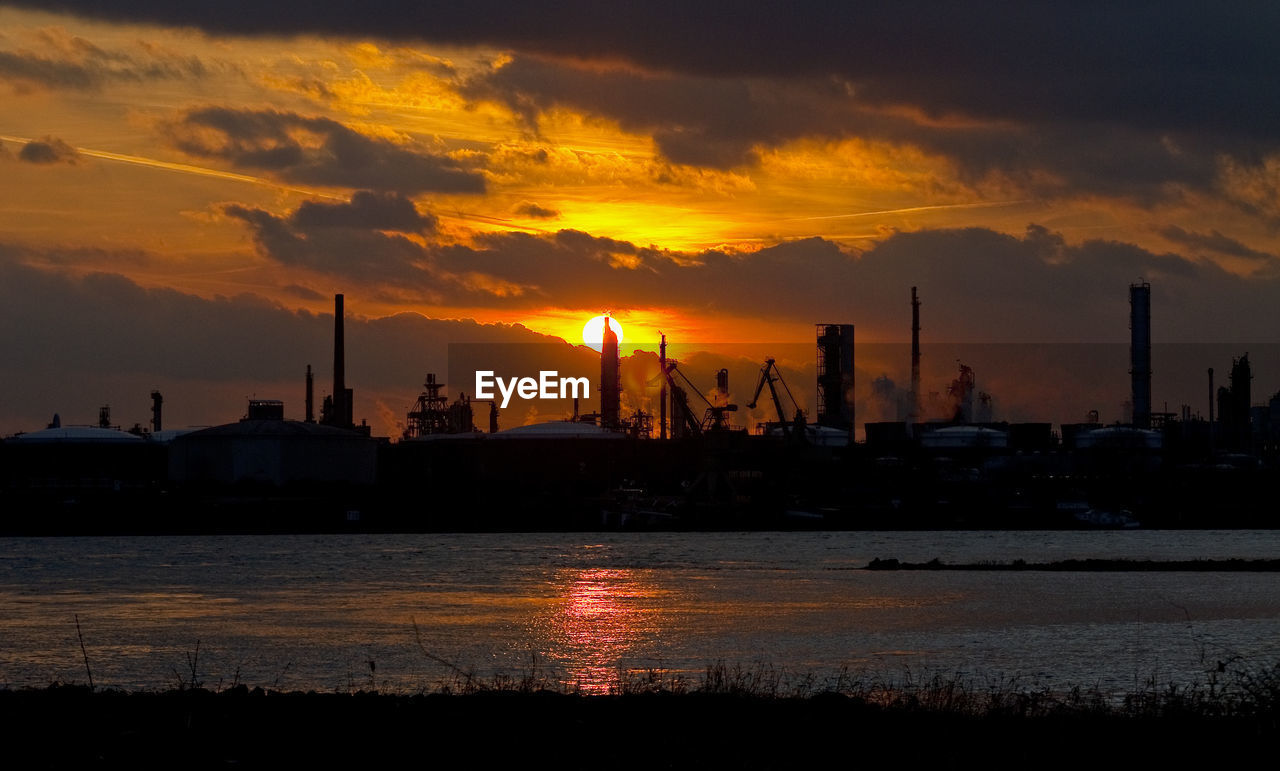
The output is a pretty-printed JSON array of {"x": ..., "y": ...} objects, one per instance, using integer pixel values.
[
  {"x": 276, "y": 452},
  {"x": 1120, "y": 438},
  {"x": 964, "y": 438}
]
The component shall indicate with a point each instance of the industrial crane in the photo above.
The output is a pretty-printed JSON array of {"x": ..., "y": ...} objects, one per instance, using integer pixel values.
[
  {"x": 683, "y": 421},
  {"x": 716, "y": 417},
  {"x": 770, "y": 374}
]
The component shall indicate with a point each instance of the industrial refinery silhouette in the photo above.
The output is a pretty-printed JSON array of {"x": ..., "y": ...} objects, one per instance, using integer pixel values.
[{"x": 689, "y": 466}]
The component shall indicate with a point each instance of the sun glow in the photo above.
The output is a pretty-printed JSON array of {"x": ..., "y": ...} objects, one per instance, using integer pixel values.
[{"x": 593, "y": 331}]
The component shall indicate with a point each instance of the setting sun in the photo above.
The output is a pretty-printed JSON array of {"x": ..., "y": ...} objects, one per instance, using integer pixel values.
[{"x": 593, "y": 331}]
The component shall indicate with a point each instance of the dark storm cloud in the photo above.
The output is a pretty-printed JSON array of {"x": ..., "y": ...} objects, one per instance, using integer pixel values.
[
  {"x": 357, "y": 253},
  {"x": 67, "y": 62},
  {"x": 373, "y": 241},
  {"x": 719, "y": 124},
  {"x": 366, "y": 209},
  {"x": 28, "y": 70},
  {"x": 983, "y": 286},
  {"x": 531, "y": 209},
  {"x": 1111, "y": 160},
  {"x": 1121, "y": 99},
  {"x": 315, "y": 151},
  {"x": 48, "y": 150},
  {"x": 1213, "y": 241},
  {"x": 1155, "y": 64},
  {"x": 980, "y": 285},
  {"x": 696, "y": 120},
  {"x": 569, "y": 267}
]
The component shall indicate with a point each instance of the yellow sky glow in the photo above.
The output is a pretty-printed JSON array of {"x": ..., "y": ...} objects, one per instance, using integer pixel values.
[{"x": 575, "y": 170}]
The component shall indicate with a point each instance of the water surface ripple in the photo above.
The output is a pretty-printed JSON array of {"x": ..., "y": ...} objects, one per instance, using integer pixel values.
[{"x": 411, "y": 612}]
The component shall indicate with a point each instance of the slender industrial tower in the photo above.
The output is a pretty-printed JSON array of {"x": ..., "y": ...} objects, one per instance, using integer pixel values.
[
  {"x": 1212, "y": 396},
  {"x": 662, "y": 389},
  {"x": 310, "y": 416},
  {"x": 914, "y": 411},
  {"x": 835, "y": 375},
  {"x": 339, "y": 404},
  {"x": 339, "y": 364},
  {"x": 1241, "y": 434},
  {"x": 610, "y": 383},
  {"x": 157, "y": 402},
  {"x": 1140, "y": 352}
]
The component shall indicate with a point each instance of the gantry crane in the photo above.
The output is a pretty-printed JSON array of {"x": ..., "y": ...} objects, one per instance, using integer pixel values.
[{"x": 770, "y": 374}]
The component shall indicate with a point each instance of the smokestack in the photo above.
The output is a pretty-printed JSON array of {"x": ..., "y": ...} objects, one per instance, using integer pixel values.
[
  {"x": 1140, "y": 352},
  {"x": 1241, "y": 399},
  {"x": 915, "y": 358},
  {"x": 1211, "y": 396},
  {"x": 662, "y": 390},
  {"x": 341, "y": 409},
  {"x": 156, "y": 401},
  {"x": 610, "y": 384},
  {"x": 310, "y": 416}
]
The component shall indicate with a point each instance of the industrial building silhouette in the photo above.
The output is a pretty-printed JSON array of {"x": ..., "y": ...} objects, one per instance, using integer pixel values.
[{"x": 694, "y": 469}]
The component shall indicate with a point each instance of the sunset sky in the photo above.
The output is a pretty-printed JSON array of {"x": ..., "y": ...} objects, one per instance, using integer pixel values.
[{"x": 184, "y": 186}]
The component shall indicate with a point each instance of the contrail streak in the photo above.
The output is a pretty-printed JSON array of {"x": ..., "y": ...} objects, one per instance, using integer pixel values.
[
  {"x": 184, "y": 168},
  {"x": 908, "y": 210},
  {"x": 203, "y": 171}
]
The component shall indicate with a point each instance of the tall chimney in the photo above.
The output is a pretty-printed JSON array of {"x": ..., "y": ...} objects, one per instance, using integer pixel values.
[
  {"x": 662, "y": 390},
  {"x": 914, "y": 415},
  {"x": 610, "y": 384},
  {"x": 156, "y": 401},
  {"x": 1140, "y": 352},
  {"x": 1211, "y": 394},
  {"x": 340, "y": 408},
  {"x": 1211, "y": 398},
  {"x": 311, "y": 397}
]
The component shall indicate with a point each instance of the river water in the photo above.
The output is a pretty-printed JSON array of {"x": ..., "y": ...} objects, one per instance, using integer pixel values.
[{"x": 411, "y": 612}]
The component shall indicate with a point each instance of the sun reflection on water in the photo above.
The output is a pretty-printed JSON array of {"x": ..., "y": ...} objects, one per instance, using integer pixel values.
[{"x": 603, "y": 618}]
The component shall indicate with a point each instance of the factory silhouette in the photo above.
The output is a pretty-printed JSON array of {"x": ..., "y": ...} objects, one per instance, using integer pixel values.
[{"x": 687, "y": 467}]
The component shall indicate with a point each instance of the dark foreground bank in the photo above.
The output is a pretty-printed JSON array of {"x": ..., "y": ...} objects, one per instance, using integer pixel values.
[
  {"x": 1233, "y": 565},
  {"x": 75, "y": 727}
]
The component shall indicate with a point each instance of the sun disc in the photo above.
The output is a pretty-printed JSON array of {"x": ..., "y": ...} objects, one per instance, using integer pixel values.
[{"x": 593, "y": 331}]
